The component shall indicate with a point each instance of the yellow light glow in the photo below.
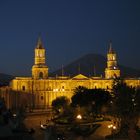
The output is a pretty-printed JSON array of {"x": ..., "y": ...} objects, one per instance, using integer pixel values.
[
  {"x": 55, "y": 89},
  {"x": 108, "y": 126},
  {"x": 114, "y": 127},
  {"x": 14, "y": 115},
  {"x": 79, "y": 117}
]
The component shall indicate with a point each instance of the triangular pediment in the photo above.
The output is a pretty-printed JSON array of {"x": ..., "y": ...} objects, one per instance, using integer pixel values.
[{"x": 80, "y": 76}]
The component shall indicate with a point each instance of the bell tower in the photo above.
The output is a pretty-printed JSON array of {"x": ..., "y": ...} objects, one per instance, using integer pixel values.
[
  {"x": 39, "y": 69},
  {"x": 112, "y": 69}
]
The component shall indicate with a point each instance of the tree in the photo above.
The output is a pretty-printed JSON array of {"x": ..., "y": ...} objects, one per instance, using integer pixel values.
[
  {"x": 60, "y": 104},
  {"x": 80, "y": 89},
  {"x": 80, "y": 97},
  {"x": 137, "y": 101},
  {"x": 101, "y": 98},
  {"x": 90, "y": 98},
  {"x": 126, "y": 106},
  {"x": 123, "y": 99}
]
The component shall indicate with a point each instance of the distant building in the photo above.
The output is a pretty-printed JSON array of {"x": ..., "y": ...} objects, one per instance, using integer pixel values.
[{"x": 45, "y": 89}]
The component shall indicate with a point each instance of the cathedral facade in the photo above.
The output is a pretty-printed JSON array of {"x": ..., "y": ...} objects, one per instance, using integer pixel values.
[{"x": 45, "y": 89}]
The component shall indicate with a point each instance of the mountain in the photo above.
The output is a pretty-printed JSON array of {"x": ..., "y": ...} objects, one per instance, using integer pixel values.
[
  {"x": 93, "y": 64},
  {"x": 88, "y": 65},
  {"x": 5, "y": 79}
]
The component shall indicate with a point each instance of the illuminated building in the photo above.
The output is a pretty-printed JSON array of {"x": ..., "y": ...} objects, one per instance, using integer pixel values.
[{"x": 45, "y": 89}]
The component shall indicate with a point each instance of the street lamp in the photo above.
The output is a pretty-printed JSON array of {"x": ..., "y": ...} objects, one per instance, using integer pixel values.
[
  {"x": 113, "y": 128},
  {"x": 110, "y": 126},
  {"x": 79, "y": 117}
]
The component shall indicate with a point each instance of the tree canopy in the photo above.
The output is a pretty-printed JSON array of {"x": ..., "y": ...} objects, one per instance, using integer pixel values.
[
  {"x": 126, "y": 107},
  {"x": 60, "y": 102},
  {"x": 90, "y": 97},
  {"x": 126, "y": 99}
]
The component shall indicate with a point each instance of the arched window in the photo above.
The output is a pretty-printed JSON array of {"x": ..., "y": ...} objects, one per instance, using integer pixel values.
[
  {"x": 23, "y": 88},
  {"x": 41, "y": 54},
  {"x": 113, "y": 57},
  {"x": 41, "y": 75},
  {"x": 42, "y": 97}
]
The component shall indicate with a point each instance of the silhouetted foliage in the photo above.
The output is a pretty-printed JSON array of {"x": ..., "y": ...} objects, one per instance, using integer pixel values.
[
  {"x": 137, "y": 100},
  {"x": 60, "y": 103},
  {"x": 4, "y": 113},
  {"x": 90, "y": 97},
  {"x": 80, "y": 89},
  {"x": 126, "y": 105},
  {"x": 124, "y": 99}
]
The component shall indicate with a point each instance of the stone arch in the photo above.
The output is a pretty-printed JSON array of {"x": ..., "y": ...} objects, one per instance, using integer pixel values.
[{"x": 40, "y": 75}]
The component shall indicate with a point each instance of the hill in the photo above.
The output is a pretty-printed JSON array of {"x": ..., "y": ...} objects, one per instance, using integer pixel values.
[
  {"x": 93, "y": 64},
  {"x": 5, "y": 79}
]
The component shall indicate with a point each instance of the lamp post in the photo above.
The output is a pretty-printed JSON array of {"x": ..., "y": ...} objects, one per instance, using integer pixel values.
[
  {"x": 112, "y": 128},
  {"x": 79, "y": 117}
]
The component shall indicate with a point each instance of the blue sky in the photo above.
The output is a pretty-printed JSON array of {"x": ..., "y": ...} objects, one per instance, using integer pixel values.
[{"x": 69, "y": 30}]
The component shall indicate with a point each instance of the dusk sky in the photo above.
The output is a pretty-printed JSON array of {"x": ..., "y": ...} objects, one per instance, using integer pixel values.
[{"x": 69, "y": 29}]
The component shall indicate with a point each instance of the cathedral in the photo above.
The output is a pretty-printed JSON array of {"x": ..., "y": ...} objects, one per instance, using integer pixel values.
[{"x": 45, "y": 89}]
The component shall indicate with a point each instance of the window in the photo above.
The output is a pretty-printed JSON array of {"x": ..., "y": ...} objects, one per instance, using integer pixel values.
[
  {"x": 23, "y": 88},
  {"x": 113, "y": 57},
  {"x": 41, "y": 97},
  {"x": 41, "y": 54},
  {"x": 63, "y": 88},
  {"x": 41, "y": 75}
]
